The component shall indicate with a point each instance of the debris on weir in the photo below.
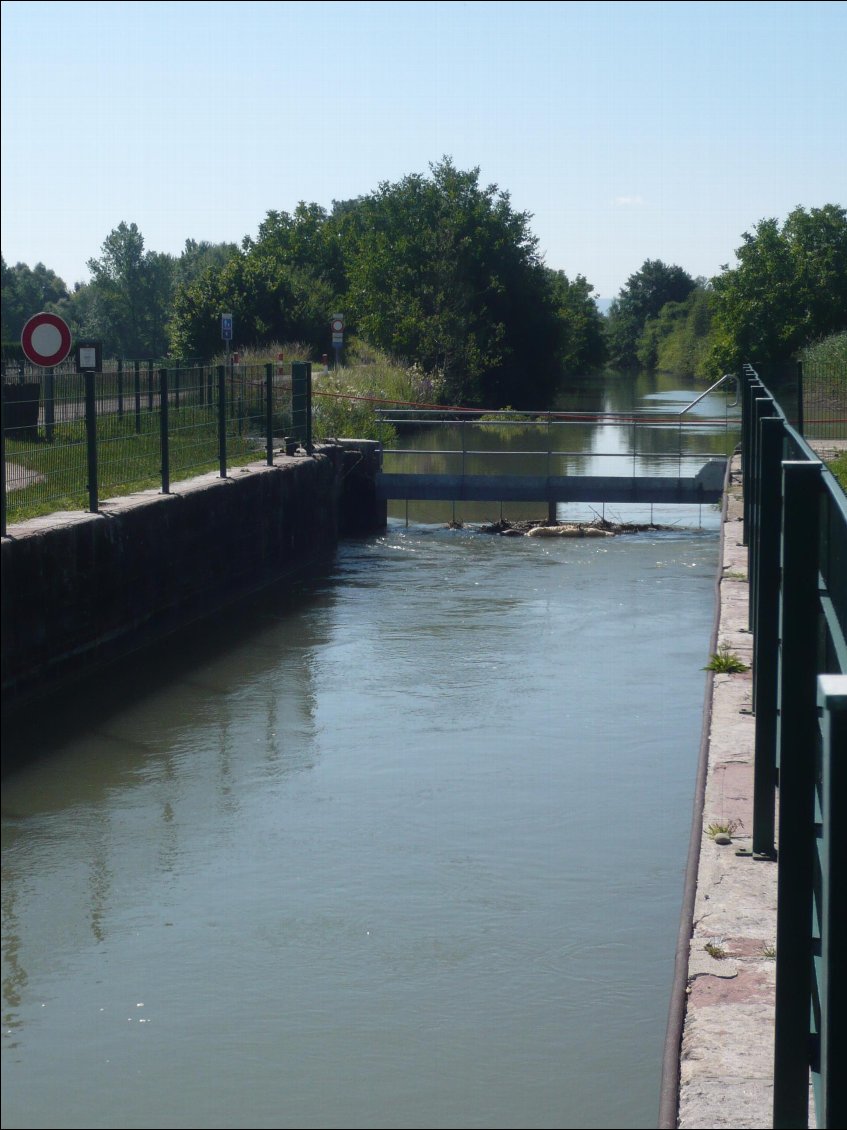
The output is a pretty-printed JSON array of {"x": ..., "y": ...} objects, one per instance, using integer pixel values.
[{"x": 598, "y": 528}]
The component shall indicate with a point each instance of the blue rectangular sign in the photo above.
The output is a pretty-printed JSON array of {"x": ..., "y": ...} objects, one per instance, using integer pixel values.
[{"x": 226, "y": 327}]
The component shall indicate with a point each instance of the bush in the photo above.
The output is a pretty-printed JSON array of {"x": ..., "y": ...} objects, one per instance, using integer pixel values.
[{"x": 345, "y": 400}]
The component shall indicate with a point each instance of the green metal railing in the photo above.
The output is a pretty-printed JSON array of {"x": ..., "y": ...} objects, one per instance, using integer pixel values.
[
  {"x": 71, "y": 439},
  {"x": 795, "y": 525}
]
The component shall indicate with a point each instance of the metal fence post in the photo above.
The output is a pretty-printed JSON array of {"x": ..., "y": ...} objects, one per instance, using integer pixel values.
[
  {"x": 91, "y": 440},
  {"x": 763, "y": 408},
  {"x": 137, "y": 391},
  {"x": 120, "y": 386},
  {"x": 800, "y": 398},
  {"x": 150, "y": 386},
  {"x": 239, "y": 384},
  {"x": 552, "y": 507},
  {"x": 3, "y": 453},
  {"x": 747, "y": 450},
  {"x": 222, "y": 420},
  {"x": 49, "y": 404},
  {"x": 269, "y": 413},
  {"x": 176, "y": 384},
  {"x": 765, "y": 595},
  {"x": 798, "y": 734},
  {"x": 301, "y": 402},
  {"x": 830, "y": 1096},
  {"x": 163, "y": 431}
]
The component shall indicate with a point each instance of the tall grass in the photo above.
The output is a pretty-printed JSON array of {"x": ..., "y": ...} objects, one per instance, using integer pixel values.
[
  {"x": 829, "y": 351},
  {"x": 345, "y": 400},
  {"x": 261, "y": 354},
  {"x": 825, "y": 385},
  {"x": 838, "y": 466}
]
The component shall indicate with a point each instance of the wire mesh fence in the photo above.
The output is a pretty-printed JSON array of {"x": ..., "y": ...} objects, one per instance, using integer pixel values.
[
  {"x": 70, "y": 439},
  {"x": 813, "y": 396},
  {"x": 824, "y": 393}
]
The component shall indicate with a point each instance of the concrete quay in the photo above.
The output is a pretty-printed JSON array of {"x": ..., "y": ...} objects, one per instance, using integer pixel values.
[
  {"x": 726, "y": 1059},
  {"x": 725, "y": 1067},
  {"x": 719, "y": 1053}
]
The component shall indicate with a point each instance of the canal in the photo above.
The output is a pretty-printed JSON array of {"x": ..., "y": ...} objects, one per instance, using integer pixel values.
[{"x": 402, "y": 849}]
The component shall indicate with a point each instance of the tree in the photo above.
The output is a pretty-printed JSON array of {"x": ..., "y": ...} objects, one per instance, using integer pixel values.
[
  {"x": 129, "y": 297},
  {"x": 788, "y": 289},
  {"x": 198, "y": 257},
  {"x": 281, "y": 286},
  {"x": 304, "y": 240},
  {"x": 26, "y": 292},
  {"x": 679, "y": 338},
  {"x": 643, "y": 296},
  {"x": 270, "y": 302},
  {"x": 584, "y": 342},
  {"x": 444, "y": 272}
]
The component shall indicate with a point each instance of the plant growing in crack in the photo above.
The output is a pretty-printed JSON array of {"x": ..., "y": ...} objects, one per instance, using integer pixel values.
[
  {"x": 723, "y": 828},
  {"x": 716, "y": 949},
  {"x": 726, "y": 662}
]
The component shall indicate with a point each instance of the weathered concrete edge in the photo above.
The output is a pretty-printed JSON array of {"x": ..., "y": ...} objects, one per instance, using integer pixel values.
[
  {"x": 669, "y": 1091},
  {"x": 80, "y": 590},
  {"x": 719, "y": 1054},
  {"x": 726, "y": 1052}
]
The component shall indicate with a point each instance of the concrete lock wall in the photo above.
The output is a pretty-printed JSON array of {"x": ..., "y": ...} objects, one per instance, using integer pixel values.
[{"x": 80, "y": 590}]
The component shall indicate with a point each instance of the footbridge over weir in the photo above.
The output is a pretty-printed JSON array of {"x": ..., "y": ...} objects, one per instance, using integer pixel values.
[{"x": 591, "y": 457}]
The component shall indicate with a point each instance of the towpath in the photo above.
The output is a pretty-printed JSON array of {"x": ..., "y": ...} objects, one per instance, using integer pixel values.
[{"x": 726, "y": 1068}]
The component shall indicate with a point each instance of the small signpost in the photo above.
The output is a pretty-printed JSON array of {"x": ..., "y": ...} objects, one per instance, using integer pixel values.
[
  {"x": 89, "y": 357},
  {"x": 337, "y": 326},
  {"x": 226, "y": 327},
  {"x": 46, "y": 340}
]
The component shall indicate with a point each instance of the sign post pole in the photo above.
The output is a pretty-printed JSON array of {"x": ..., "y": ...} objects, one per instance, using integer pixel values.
[
  {"x": 337, "y": 327},
  {"x": 226, "y": 335},
  {"x": 46, "y": 342}
]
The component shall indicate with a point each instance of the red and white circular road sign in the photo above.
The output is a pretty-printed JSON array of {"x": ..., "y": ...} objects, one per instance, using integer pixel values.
[{"x": 46, "y": 340}]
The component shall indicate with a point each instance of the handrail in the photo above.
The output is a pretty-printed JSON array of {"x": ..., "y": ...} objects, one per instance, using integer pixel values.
[
  {"x": 717, "y": 384},
  {"x": 611, "y": 419},
  {"x": 795, "y": 522}
]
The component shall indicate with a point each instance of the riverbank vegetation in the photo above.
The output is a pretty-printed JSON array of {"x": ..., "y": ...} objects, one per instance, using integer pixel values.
[
  {"x": 443, "y": 279},
  {"x": 785, "y": 295}
]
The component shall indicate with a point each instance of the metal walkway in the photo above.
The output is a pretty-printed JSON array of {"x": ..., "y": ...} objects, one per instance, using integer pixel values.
[
  {"x": 644, "y": 457},
  {"x": 705, "y": 486}
]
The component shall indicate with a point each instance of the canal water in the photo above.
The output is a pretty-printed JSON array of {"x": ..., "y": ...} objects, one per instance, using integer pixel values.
[{"x": 404, "y": 849}]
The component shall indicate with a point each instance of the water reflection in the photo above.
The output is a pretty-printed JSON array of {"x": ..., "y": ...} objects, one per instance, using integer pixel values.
[
  {"x": 404, "y": 851},
  {"x": 640, "y": 432}
]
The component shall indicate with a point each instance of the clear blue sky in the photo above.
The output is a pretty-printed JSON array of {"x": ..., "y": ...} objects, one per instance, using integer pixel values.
[{"x": 629, "y": 130}]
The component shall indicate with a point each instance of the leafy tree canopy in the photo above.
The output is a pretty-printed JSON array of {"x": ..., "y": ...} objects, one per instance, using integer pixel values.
[
  {"x": 443, "y": 271},
  {"x": 678, "y": 339},
  {"x": 788, "y": 288},
  {"x": 127, "y": 302},
  {"x": 278, "y": 288},
  {"x": 27, "y": 291},
  {"x": 583, "y": 328},
  {"x": 643, "y": 296},
  {"x": 197, "y": 257},
  {"x": 436, "y": 269}
]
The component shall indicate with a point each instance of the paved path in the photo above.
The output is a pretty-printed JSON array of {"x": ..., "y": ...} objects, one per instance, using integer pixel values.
[
  {"x": 727, "y": 1046},
  {"x": 726, "y": 1072},
  {"x": 18, "y": 477}
]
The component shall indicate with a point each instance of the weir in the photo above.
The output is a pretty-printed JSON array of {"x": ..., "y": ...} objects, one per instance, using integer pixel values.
[
  {"x": 649, "y": 459},
  {"x": 705, "y": 486}
]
